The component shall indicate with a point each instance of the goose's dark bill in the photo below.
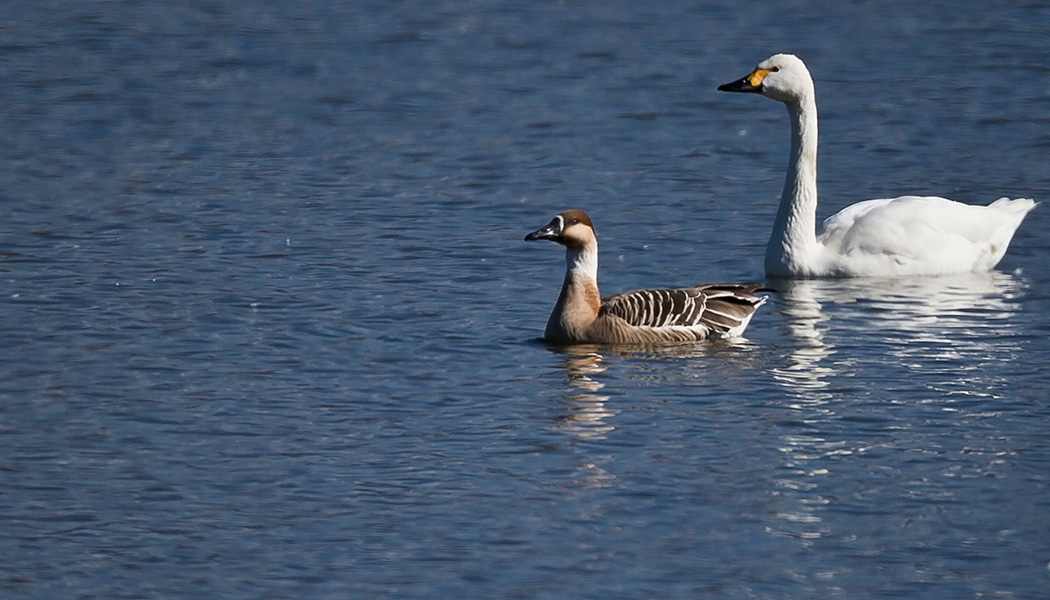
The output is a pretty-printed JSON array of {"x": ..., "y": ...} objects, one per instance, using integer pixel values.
[{"x": 550, "y": 232}]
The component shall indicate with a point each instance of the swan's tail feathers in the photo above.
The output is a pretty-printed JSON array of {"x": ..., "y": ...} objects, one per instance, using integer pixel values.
[{"x": 1017, "y": 205}]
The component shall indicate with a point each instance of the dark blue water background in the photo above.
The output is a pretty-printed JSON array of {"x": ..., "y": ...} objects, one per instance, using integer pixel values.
[{"x": 268, "y": 327}]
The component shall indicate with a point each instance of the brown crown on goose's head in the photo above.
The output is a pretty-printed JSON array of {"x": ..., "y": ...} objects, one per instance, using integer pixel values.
[
  {"x": 575, "y": 216},
  {"x": 570, "y": 228}
]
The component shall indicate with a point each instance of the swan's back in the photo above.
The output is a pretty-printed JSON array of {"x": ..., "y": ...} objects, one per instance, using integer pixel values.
[{"x": 921, "y": 235}]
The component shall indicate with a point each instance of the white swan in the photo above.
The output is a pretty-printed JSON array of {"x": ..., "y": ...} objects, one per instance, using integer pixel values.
[{"x": 888, "y": 237}]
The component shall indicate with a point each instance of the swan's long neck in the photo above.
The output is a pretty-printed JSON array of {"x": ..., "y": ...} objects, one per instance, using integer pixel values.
[
  {"x": 794, "y": 238},
  {"x": 579, "y": 301}
]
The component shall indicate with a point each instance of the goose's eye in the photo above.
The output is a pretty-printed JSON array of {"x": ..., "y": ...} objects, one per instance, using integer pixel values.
[{"x": 775, "y": 70}]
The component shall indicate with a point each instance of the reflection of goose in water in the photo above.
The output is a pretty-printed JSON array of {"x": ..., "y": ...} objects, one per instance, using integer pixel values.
[
  {"x": 586, "y": 415},
  {"x": 715, "y": 364}
]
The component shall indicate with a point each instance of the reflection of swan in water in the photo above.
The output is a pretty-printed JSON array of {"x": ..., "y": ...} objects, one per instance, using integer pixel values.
[
  {"x": 913, "y": 319},
  {"x": 945, "y": 329},
  {"x": 804, "y": 370},
  {"x": 939, "y": 329}
]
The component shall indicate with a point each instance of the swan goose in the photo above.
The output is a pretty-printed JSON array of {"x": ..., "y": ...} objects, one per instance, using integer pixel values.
[
  {"x": 888, "y": 237},
  {"x": 638, "y": 317}
]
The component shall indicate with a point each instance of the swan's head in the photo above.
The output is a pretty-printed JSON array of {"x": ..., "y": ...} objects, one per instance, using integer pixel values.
[
  {"x": 571, "y": 228},
  {"x": 782, "y": 77}
]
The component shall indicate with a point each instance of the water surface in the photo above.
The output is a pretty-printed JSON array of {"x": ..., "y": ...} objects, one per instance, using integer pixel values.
[{"x": 269, "y": 328}]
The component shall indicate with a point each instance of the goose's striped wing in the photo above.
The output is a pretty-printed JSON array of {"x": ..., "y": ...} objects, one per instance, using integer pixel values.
[{"x": 720, "y": 308}]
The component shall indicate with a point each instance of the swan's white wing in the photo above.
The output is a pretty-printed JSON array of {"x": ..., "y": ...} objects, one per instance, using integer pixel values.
[{"x": 923, "y": 232}]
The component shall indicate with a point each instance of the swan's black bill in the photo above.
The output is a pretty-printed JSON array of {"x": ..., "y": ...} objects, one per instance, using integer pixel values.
[{"x": 740, "y": 85}]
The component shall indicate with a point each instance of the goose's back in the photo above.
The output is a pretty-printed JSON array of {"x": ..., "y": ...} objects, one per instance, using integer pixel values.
[{"x": 683, "y": 314}]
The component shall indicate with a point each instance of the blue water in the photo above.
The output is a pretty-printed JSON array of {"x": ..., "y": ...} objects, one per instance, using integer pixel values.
[{"x": 268, "y": 327}]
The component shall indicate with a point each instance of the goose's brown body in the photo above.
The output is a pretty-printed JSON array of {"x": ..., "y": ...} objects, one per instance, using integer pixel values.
[{"x": 690, "y": 314}]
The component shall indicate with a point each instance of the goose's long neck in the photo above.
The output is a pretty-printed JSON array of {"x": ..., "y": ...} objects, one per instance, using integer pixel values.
[
  {"x": 582, "y": 263},
  {"x": 579, "y": 301},
  {"x": 794, "y": 231}
]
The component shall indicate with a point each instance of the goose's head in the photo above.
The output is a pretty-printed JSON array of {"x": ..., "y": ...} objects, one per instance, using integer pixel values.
[
  {"x": 782, "y": 77},
  {"x": 571, "y": 228}
]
